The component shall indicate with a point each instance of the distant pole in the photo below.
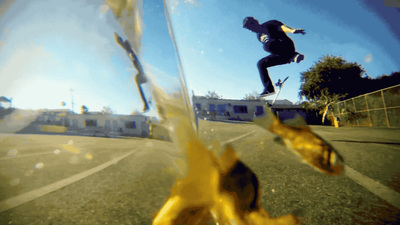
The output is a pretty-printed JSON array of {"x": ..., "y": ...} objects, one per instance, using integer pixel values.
[{"x": 72, "y": 99}]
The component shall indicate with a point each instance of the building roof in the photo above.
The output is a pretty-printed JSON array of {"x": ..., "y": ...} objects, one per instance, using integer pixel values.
[
  {"x": 277, "y": 102},
  {"x": 4, "y": 99},
  {"x": 57, "y": 110},
  {"x": 281, "y": 102},
  {"x": 275, "y": 106}
]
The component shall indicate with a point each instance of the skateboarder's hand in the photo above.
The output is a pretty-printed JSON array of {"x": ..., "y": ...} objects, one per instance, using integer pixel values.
[{"x": 300, "y": 31}]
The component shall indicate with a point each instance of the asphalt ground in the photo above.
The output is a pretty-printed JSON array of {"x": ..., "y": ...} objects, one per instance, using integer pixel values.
[
  {"x": 290, "y": 186},
  {"x": 130, "y": 190}
]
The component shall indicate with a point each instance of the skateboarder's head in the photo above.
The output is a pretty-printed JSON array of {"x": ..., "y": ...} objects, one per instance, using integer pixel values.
[{"x": 249, "y": 21}]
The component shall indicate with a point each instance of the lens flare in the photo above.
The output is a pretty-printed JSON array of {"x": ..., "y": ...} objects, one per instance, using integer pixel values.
[
  {"x": 12, "y": 153},
  {"x": 368, "y": 58},
  {"x": 39, "y": 166},
  {"x": 88, "y": 156}
]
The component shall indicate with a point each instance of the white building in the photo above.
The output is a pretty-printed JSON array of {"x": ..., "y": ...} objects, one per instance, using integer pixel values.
[
  {"x": 242, "y": 110},
  {"x": 96, "y": 124}
]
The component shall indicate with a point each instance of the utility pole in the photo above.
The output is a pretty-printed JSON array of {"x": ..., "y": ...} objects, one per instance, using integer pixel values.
[{"x": 72, "y": 99}]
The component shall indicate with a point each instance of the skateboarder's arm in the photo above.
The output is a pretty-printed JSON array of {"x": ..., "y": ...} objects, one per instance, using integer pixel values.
[{"x": 288, "y": 29}]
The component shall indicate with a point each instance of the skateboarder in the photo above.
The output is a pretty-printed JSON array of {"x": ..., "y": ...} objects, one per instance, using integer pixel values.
[
  {"x": 140, "y": 77},
  {"x": 273, "y": 36}
]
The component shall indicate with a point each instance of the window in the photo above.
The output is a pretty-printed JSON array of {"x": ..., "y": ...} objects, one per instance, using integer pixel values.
[
  {"x": 130, "y": 125},
  {"x": 90, "y": 123},
  {"x": 259, "y": 110},
  {"x": 212, "y": 108},
  {"x": 221, "y": 109},
  {"x": 198, "y": 107},
  {"x": 240, "y": 109}
]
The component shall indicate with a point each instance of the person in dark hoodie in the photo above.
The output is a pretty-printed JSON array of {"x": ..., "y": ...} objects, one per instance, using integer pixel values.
[{"x": 275, "y": 41}]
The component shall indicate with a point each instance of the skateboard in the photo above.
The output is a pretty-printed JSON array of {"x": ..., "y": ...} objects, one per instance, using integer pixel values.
[
  {"x": 140, "y": 77},
  {"x": 279, "y": 84}
]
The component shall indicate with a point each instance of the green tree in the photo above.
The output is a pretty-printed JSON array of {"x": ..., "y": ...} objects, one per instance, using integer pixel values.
[
  {"x": 107, "y": 110},
  {"x": 384, "y": 81},
  {"x": 252, "y": 96},
  {"x": 213, "y": 95},
  {"x": 330, "y": 80},
  {"x": 136, "y": 112}
]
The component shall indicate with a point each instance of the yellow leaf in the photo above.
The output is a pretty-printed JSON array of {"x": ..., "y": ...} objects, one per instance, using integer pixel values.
[{"x": 303, "y": 142}]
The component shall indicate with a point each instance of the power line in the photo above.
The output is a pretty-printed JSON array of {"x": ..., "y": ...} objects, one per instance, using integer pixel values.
[{"x": 72, "y": 99}]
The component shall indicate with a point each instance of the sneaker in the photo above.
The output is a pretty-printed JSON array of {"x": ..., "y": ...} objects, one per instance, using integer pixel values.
[
  {"x": 266, "y": 93},
  {"x": 279, "y": 83},
  {"x": 298, "y": 58}
]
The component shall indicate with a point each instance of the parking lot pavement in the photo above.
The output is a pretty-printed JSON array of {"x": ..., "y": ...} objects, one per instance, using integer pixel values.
[{"x": 130, "y": 190}]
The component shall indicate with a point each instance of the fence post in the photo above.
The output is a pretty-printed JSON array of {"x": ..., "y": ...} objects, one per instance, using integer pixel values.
[
  {"x": 384, "y": 107},
  {"x": 355, "y": 111},
  {"x": 366, "y": 104}
]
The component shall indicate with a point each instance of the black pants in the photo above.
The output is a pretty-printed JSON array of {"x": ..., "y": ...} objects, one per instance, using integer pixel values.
[
  {"x": 281, "y": 53},
  {"x": 269, "y": 61}
]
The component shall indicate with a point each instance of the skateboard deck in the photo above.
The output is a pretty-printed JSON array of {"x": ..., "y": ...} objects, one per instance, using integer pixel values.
[{"x": 279, "y": 85}]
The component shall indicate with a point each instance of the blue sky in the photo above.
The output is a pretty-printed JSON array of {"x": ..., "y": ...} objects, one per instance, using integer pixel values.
[
  {"x": 218, "y": 54},
  {"x": 49, "y": 47}
]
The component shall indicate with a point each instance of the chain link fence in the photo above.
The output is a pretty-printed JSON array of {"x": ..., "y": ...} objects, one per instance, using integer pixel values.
[{"x": 376, "y": 109}]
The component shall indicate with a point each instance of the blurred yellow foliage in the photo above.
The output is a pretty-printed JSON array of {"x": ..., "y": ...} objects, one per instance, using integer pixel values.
[
  {"x": 71, "y": 148},
  {"x": 303, "y": 142},
  {"x": 223, "y": 190},
  {"x": 211, "y": 192}
]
